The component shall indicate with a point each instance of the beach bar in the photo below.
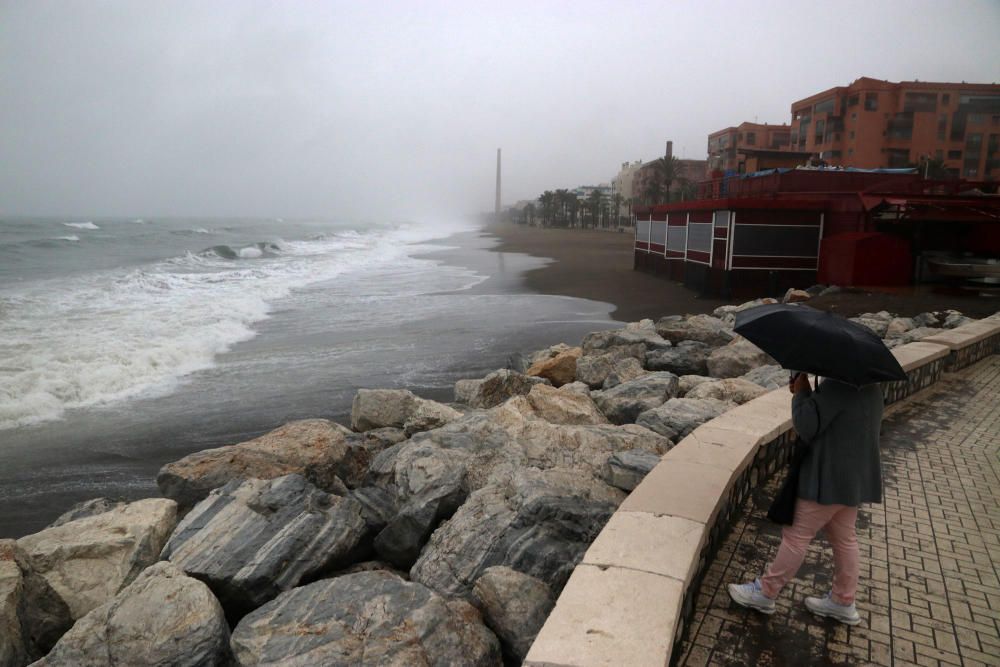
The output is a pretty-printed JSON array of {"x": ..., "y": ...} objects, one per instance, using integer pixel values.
[{"x": 765, "y": 232}]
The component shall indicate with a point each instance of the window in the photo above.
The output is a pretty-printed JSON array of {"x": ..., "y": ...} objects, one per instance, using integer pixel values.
[
  {"x": 971, "y": 172},
  {"x": 901, "y": 126},
  {"x": 871, "y": 101},
  {"x": 820, "y": 129},
  {"x": 945, "y": 99},
  {"x": 898, "y": 157},
  {"x": 974, "y": 142},
  {"x": 751, "y": 138},
  {"x": 824, "y": 106},
  {"x": 854, "y": 116},
  {"x": 721, "y": 218},
  {"x": 919, "y": 102},
  {"x": 852, "y": 101},
  {"x": 954, "y": 155},
  {"x": 976, "y": 118},
  {"x": 739, "y": 137},
  {"x": 836, "y": 155},
  {"x": 942, "y": 126}
]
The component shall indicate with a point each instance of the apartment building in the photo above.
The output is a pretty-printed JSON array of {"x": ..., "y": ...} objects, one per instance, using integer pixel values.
[
  {"x": 727, "y": 148},
  {"x": 880, "y": 124}
]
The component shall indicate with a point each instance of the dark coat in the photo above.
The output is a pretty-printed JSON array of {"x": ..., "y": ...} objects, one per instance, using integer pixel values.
[{"x": 841, "y": 424}]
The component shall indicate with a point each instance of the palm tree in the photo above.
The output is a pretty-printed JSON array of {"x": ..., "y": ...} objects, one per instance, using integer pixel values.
[
  {"x": 527, "y": 213},
  {"x": 616, "y": 206},
  {"x": 563, "y": 198},
  {"x": 595, "y": 202},
  {"x": 662, "y": 174},
  {"x": 548, "y": 201}
]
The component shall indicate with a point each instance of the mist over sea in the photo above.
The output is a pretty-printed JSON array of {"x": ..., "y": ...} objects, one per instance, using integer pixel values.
[{"x": 127, "y": 343}]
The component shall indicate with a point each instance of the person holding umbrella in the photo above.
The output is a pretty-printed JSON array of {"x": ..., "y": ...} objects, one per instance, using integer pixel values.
[{"x": 839, "y": 425}]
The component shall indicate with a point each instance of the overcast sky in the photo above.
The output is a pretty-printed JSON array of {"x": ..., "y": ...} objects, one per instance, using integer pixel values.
[{"x": 285, "y": 108}]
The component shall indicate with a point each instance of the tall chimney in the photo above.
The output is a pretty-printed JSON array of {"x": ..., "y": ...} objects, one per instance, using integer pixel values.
[
  {"x": 496, "y": 207},
  {"x": 670, "y": 149}
]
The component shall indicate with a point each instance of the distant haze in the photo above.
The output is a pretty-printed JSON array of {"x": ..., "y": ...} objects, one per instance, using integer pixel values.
[{"x": 142, "y": 108}]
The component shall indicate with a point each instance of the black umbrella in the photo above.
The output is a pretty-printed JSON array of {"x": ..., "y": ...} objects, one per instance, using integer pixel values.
[{"x": 809, "y": 340}]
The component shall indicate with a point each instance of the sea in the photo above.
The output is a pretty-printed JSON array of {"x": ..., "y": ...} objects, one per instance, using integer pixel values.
[{"x": 127, "y": 343}]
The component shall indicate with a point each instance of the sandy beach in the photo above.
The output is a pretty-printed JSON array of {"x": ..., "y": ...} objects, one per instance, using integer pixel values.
[{"x": 597, "y": 265}]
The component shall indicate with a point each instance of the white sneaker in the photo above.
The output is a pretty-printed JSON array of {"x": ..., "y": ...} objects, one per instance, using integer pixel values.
[
  {"x": 750, "y": 595},
  {"x": 845, "y": 613}
]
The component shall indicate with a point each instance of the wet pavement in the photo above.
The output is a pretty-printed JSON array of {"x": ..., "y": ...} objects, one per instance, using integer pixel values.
[{"x": 929, "y": 592}]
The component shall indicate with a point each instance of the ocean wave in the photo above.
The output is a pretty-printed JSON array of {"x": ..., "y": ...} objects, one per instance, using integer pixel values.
[
  {"x": 71, "y": 237},
  {"x": 82, "y": 225}
]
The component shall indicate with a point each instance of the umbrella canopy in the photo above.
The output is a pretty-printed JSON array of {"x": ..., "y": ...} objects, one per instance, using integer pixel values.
[{"x": 809, "y": 340}]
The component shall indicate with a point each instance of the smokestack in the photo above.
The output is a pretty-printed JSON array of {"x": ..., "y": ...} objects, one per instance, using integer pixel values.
[
  {"x": 496, "y": 207},
  {"x": 670, "y": 149}
]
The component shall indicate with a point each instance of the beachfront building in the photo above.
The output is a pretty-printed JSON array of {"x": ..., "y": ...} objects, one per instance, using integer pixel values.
[
  {"x": 623, "y": 184},
  {"x": 768, "y": 231},
  {"x": 871, "y": 124},
  {"x": 727, "y": 148}
]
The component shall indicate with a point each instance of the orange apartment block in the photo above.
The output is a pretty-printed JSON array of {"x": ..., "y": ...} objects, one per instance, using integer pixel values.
[
  {"x": 727, "y": 149},
  {"x": 870, "y": 124}
]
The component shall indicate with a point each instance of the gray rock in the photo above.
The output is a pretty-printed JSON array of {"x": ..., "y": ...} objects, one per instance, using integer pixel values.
[
  {"x": 514, "y": 606},
  {"x": 626, "y": 469},
  {"x": 735, "y": 390},
  {"x": 911, "y": 335},
  {"x": 87, "y": 508},
  {"x": 832, "y": 289},
  {"x": 728, "y": 313},
  {"x": 318, "y": 449},
  {"x": 378, "y": 506},
  {"x": 378, "y": 408},
  {"x": 622, "y": 404},
  {"x": 594, "y": 368},
  {"x": 770, "y": 376},
  {"x": 898, "y": 326},
  {"x": 686, "y": 358},
  {"x": 926, "y": 320},
  {"x": 32, "y": 615},
  {"x": 495, "y": 388},
  {"x": 878, "y": 325},
  {"x": 161, "y": 618},
  {"x": 559, "y": 370},
  {"x": 550, "y": 352},
  {"x": 736, "y": 358},
  {"x": 795, "y": 296},
  {"x": 623, "y": 370},
  {"x": 367, "y": 618},
  {"x": 679, "y": 416},
  {"x": 564, "y": 407},
  {"x": 580, "y": 388},
  {"x": 689, "y": 382},
  {"x": 647, "y": 336},
  {"x": 427, "y": 415},
  {"x": 816, "y": 290},
  {"x": 956, "y": 319},
  {"x": 538, "y": 522},
  {"x": 87, "y": 561},
  {"x": 706, "y": 329},
  {"x": 273, "y": 534}
]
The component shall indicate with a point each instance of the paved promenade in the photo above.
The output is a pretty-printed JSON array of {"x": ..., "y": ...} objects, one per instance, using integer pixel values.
[{"x": 929, "y": 591}]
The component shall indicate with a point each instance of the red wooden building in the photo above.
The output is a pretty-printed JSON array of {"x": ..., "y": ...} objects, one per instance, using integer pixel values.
[{"x": 765, "y": 232}]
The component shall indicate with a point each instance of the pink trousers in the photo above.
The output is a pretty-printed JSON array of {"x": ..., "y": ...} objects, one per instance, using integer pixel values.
[{"x": 837, "y": 521}]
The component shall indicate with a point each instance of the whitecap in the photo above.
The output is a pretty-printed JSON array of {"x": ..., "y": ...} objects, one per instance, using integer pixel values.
[
  {"x": 71, "y": 237},
  {"x": 251, "y": 252},
  {"x": 82, "y": 225}
]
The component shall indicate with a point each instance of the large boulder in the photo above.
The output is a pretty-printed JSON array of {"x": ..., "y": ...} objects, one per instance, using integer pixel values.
[
  {"x": 689, "y": 382},
  {"x": 687, "y": 357},
  {"x": 87, "y": 561},
  {"x": 377, "y": 408},
  {"x": 706, "y": 329},
  {"x": 366, "y": 618},
  {"x": 32, "y": 615},
  {"x": 538, "y": 522},
  {"x": 564, "y": 407},
  {"x": 623, "y": 370},
  {"x": 911, "y": 335},
  {"x": 955, "y": 319},
  {"x": 252, "y": 539},
  {"x": 898, "y": 326},
  {"x": 495, "y": 388},
  {"x": 643, "y": 333},
  {"x": 736, "y": 358},
  {"x": 793, "y": 295},
  {"x": 626, "y": 469},
  {"x": 560, "y": 369},
  {"x": 679, "y": 416},
  {"x": 735, "y": 390},
  {"x": 514, "y": 606},
  {"x": 771, "y": 376},
  {"x": 623, "y": 403},
  {"x": 428, "y": 415},
  {"x": 161, "y": 618},
  {"x": 593, "y": 368},
  {"x": 877, "y": 322},
  {"x": 728, "y": 313},
  {"x": 926, "y": 320},
  {"x": 318, "y": 449},
  {"x": 88, "y": 508}
]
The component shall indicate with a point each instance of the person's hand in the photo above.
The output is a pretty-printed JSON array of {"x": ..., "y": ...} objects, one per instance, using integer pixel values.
[{"x": 800, "y": 384}]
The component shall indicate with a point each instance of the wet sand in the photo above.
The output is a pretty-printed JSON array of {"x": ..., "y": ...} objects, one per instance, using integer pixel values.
[{"x": 598, "y": 265}]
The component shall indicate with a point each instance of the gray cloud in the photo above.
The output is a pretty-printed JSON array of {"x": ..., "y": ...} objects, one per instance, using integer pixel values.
[{"x": 347, "y": 109}]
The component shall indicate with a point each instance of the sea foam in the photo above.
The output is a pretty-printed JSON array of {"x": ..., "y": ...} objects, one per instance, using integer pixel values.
[{"x": 82, "y": 225}]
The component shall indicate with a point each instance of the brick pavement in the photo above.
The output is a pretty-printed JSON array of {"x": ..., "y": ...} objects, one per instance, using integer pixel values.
[{"x": 929, "y": 591}]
